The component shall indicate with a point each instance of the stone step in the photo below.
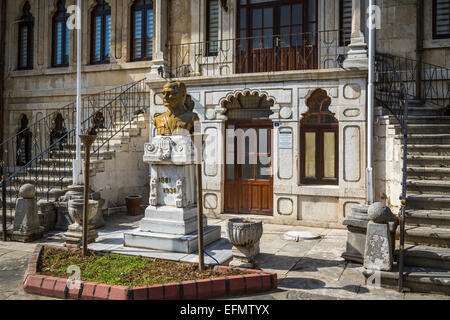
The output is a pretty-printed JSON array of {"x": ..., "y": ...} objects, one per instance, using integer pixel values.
[
  {"x": 428, "y": 161},
  {"x": 429, "y": 236},
  {"x": 429, "y": 173},
  {"x": 425, "y": 128},
  {"x": 415, "y": 110},
  {"x": 428, "y": 120},
  {"x": 427, "y": 257},
  {"x": 430, "y": 218},
  {"x": 64, "y": 154},
  {"x": 428, "y": 201},
  {"x": 429, "y": 149},
  {"x": 416, "y": 279},
  {"x": 441, "y": 138},
  {"x": 428, "y": 186}
]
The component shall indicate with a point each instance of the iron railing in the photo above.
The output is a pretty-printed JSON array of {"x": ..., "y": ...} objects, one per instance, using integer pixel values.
[
  {"x": 284, "y": 52},
  {"x": 398, "y": 81},
  {"x": 50, "y": 169}
]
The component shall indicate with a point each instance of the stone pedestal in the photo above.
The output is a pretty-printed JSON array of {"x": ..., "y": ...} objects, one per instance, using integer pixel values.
[
  {"x": 26, "y": 220},
  {"x": 171, "y": 220},
  {"x": 74, "y": 235},
  {"x": 244, "y": 257},
  {"x": 379, "y": 252},
  {"x": 356, "y": 223},
  {"x": 47, "y": 215}
]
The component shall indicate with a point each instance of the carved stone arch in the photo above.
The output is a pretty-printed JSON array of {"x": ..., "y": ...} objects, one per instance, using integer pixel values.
[
  {"x": 310, "y": 95},
  {"x": 221, "y": 109}
]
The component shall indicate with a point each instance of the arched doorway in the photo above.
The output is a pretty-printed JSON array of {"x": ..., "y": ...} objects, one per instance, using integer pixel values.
[
  {"x": 58, "y": 131},
  {"x": 23, "y": 144},
  {"x": 248, "y": 173}
]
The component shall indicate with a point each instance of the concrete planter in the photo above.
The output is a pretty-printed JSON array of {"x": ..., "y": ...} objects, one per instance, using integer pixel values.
[{"x": 244, "y": 235}]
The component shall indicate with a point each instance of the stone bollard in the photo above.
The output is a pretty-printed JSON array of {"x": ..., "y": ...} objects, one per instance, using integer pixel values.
[
  {"x": 378, "y": 254},
  {"x": 26, "y": 220}
]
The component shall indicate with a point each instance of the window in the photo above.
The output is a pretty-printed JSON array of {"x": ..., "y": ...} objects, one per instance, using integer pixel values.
[
  {"x": 441, "y": 19},
  {"x": 319, "y": 142},
  {"x": 101, "y": 33},
  {"x": 142, "y": 30},
  {"x": 212, "y": 27},
  {"x": 345, "y": 21},
  {"x": 61, "y": 36},
  {"x": 26, "y": 29}
]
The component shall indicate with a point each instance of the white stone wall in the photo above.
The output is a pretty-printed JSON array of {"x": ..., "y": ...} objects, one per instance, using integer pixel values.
[{"x": 294, "y": 203}]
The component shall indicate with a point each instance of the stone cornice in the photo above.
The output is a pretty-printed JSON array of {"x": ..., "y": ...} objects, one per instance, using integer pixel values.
[{"x": 300, "y": 75}]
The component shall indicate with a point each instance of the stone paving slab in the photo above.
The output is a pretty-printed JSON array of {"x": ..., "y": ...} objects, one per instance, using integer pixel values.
[{"x": 307, "y": 270}]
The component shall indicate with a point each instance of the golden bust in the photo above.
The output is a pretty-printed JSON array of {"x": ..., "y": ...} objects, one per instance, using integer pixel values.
[{"x": 179, "y": 117}]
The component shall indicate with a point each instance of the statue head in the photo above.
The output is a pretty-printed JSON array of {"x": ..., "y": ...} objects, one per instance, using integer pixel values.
[{"x": 174, "y": 94}]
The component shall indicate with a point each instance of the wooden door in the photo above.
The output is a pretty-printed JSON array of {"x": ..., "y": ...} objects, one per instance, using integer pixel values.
[{"x": 249, "y": 181}]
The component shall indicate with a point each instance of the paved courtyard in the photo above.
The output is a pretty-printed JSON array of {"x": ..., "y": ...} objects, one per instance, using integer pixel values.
[{"x": 307, "y": 270}]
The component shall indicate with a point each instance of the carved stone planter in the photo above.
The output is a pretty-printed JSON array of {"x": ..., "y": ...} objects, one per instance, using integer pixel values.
[
  {"x": 75, "y": 232},
  {"x": 244, "y": 235}
]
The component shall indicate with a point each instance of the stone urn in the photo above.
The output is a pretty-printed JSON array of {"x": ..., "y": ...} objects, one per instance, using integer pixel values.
[
  {"x": 244, "y": 235},
  {"x": 74, "y": 234}
]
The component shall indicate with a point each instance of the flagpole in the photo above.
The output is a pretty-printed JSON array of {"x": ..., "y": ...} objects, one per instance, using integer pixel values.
[{"x": 77, "y": 163}]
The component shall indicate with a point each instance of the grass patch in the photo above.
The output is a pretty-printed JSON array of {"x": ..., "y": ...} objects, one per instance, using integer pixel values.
[{"x": 115, "y": 269}]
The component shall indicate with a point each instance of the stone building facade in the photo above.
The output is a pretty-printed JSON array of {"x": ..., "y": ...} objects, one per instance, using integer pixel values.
[{"x": 285, "y": 56}]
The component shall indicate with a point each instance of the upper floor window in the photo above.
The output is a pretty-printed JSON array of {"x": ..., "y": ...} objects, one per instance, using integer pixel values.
[
  {"x": 441, "y": 19},
  {"x": 61, "y": 36},
  {"x": 101, "y": 33},
  {"x": 142, "y": 30},
  {"x": 212, "y": 27},
  {"x": 26, "y": 29},
  {"x": 319, "y": 142},
  {"x": 345, "y": 21}
]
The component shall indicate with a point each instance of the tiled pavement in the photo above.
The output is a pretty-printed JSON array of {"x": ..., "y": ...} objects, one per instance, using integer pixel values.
[{"x": 307, "y": 270}]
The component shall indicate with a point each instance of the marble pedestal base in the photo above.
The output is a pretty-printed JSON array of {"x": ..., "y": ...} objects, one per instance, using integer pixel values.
[
  {"x": 74, "y": 236},
  {"x": 170, "y": 242},
  {"x": 244, "y": 257}
]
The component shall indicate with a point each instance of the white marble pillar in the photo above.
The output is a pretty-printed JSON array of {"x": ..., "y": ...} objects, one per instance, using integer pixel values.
[
  {"x": 357, "y": 55},
  {"x": 160, "y": 59}
]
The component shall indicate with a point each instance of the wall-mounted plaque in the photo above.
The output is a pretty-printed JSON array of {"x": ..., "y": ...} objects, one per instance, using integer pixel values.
[{"x": 285, "y": 139}]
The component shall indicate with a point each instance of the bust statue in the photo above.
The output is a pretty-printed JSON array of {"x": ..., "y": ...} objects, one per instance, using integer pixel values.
[{"x": 179, "y": 116}]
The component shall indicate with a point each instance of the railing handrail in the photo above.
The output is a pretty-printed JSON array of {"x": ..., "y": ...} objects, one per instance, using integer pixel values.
[
  {"x": 59, "y": 111},
  {"x": 61, "y": 139}
]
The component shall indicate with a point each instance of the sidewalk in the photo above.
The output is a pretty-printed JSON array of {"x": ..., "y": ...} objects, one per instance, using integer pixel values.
[{"x": 307, "y": 270}]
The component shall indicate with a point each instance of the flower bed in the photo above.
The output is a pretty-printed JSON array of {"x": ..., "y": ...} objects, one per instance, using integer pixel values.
[{"x": 166, "y": 281}]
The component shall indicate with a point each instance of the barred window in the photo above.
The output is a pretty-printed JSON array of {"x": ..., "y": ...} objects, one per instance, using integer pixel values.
[
  {"x": 212, "y": 26},
  {"x": 101, "y": 33},
  {"x": 142, "y": 30},
  {"x": 61, "y": 36},
  {"x": 26, "y": 30},
  {"x": 345, "y": 22},
  {"x": 441, "y": 19}
]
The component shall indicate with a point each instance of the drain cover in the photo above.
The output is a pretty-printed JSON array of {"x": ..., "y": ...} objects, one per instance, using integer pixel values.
[{"x": 301, "y": 235}]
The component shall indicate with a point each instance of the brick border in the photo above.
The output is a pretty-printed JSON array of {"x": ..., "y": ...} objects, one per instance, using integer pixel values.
[{"x": 255, "y": 281}]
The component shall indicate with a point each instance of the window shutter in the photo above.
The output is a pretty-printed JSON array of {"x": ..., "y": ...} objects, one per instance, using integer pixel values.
[
  {"x": 442, "y": 18},
  {"x": 345, "y": 21},
  {"x": 213, "y": 27}
]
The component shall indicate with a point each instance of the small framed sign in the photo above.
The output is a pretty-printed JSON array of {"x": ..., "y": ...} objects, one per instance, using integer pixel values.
[{"x": 285, "y": 139}]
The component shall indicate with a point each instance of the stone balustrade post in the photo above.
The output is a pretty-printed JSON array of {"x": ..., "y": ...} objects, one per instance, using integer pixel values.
[{"x": 357, "y": 56}]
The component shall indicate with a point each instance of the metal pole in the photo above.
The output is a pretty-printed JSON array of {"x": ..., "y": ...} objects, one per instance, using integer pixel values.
[
  {"x": 4, "y": 208},
  {"x": 87, "y": 155},
  {"x": 198, "y": 140},
  {"x": 201, "y": 258},
  {"x": 371, "y": 105},
  {"x": 77, "y": 163}
]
